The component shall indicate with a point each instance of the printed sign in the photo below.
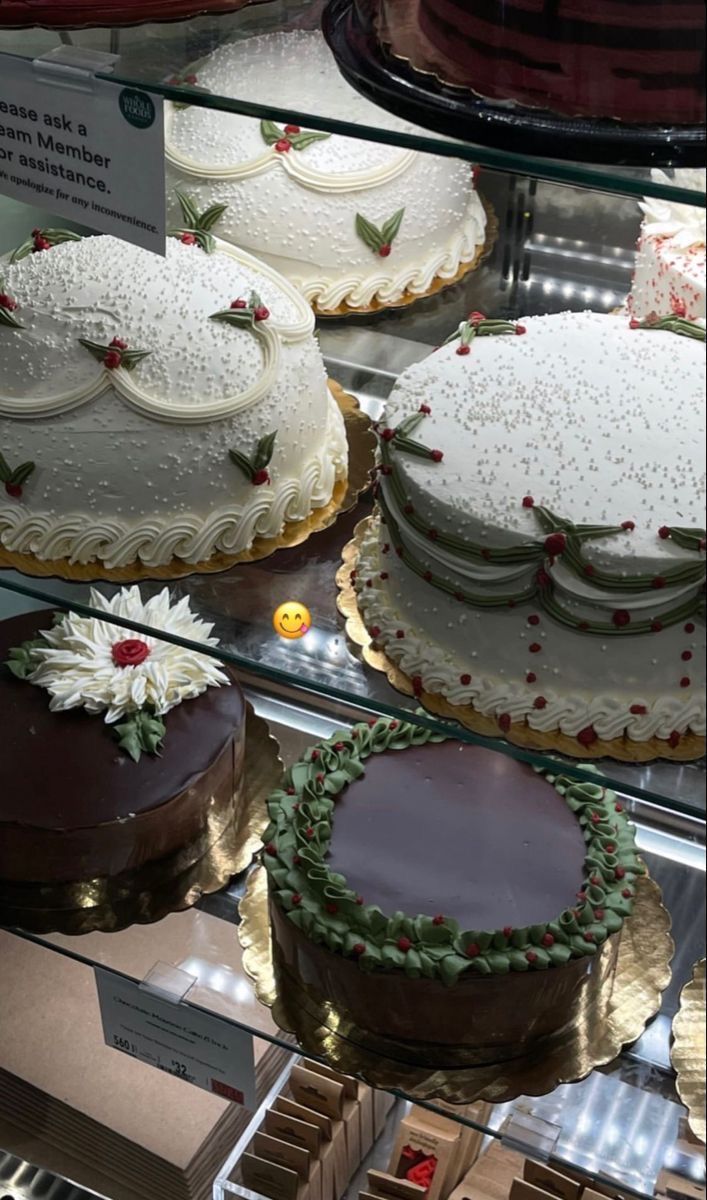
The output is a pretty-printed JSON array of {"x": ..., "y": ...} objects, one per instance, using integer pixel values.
[
  {"x": 195, "y": 1046},
  {"x": 84, "y": 148}
]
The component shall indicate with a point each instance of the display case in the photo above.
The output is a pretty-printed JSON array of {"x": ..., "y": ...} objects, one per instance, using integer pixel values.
[{"x": 423, "y": 227}]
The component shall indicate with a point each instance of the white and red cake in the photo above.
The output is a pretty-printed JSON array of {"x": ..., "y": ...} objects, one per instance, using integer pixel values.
[
  {"x": 153, "y": 408},
  {"x": 540, "y": 554},
  {"x": 670, "y": 255},
  {"x": 351, "y": 223}
]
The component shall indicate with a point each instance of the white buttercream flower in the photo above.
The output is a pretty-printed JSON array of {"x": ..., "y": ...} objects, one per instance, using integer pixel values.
[
  {"x": 90, "y": 663},
  {"x": 684, "y": 224}
]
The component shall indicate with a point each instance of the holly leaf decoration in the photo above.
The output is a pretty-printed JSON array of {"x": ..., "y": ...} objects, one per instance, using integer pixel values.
[
  {"x": 14, "y": 478},
  {"x": 688, "y": 538},
  {"x": 672, "y": 324},
  {"x": 142, "y": 732},
  {"x": 243, "y": 316},
  {"x": 271, "y": 133},
  {"x": 196, "y": 224},
  {"x": 379, "y": 239},
  {"x": 53, "y": 237},
  {"x": 128, "y": 359},
  {"x": 264, "y": 451},
  {"x": 21, "y": 662},
  {"x": 255, "y": 467},
  {"x": 300, "y": 141}
]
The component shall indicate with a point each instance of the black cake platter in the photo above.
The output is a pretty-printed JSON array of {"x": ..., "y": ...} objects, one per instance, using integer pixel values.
[{"x": 459, "y": 113}]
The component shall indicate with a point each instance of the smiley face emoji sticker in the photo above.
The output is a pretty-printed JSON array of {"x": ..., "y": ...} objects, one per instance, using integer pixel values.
[{"x": 292, "y": 620}]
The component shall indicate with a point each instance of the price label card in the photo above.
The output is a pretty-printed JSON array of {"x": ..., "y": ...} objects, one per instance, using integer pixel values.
[
  {"x": 198, "y": 1047},
  {"x": 82, "y": 147}
]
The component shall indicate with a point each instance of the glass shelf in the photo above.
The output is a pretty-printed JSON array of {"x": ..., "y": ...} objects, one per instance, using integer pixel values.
[
  {"x": 532, "y": 269},
  {"x": 151, "y": 55},
  {"x": 204, "y": 943}
]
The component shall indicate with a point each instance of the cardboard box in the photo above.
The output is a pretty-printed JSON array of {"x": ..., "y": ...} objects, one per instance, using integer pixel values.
[
  {"x": 551, "y": 1181},
  {"x": 382, "y": 1104},
  {"x": 270, "y": 1179},
  {"x": 427, "y": 1151},
  {"x": 382, "y": 1183},
  {"x": 350, "y": 1111},
  {"x": 326, "y": 1096},
  {"x": 522, "y": 1190},
  {"x": 324, "y": 1124}
]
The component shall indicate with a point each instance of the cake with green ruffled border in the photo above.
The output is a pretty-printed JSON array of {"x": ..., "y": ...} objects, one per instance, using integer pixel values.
[{"x": 447, "y": 894}]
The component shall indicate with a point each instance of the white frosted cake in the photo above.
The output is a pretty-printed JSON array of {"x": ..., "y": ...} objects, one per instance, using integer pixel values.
[
  {"x": 670, "y": 256},
  {"x": 541, "y": 555},
  {"x": 157, "y": 408},
  {"x": 351, "y": 223}
]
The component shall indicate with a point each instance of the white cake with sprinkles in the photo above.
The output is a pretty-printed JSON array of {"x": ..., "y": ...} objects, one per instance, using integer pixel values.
[{"x": 540, "y": 553}]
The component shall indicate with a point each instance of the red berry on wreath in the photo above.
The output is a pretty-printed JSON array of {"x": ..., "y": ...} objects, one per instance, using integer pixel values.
[
  {"x": 260, "y": 477},
  {"x": 404, "y": 944},
  {"x": 283, "y": 146},
  {"x": 555, "y": 543},
  {"x": 385, "y": 250},
  {"x": 261, "y": 313},
  {"x": 436, "y": 455},
  {"x": 112, "y": 360}
]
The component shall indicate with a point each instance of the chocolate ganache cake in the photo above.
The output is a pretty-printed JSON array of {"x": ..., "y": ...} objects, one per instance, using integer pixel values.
[
  {"x": 438, "y": 892},
  {"x": 118, "y": 750}
]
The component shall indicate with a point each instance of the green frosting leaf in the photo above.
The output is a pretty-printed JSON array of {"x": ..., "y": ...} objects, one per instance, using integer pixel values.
[{"x": 141, "y": 732}]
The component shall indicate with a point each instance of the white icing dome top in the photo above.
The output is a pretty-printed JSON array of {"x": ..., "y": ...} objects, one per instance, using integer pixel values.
[
  {"x": 99, "y": 289},
  {"x": 302, "y": 69},
  {"x": 598, "y": 422}
]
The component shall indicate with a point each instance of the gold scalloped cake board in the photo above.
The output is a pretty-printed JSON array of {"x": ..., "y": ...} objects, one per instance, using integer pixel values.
[
  {"x": 688, "y": 1051},
  {"x": 691, "y": 746},
  {"x": 171, "y": 884},
  {"x": 615, "y": 1018},
  {"x": 440, "y": 283},
  {"x": 346, "y": 492}
]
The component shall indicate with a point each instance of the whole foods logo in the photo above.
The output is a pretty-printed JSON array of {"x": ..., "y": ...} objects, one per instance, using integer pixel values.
[{"x": 137, "y": 108}]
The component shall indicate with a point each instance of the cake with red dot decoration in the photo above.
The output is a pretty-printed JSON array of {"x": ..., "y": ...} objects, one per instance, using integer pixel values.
[
  {"x": 353, "y": 224},
  {"x": 157, "y": 410},
  {"x": 145, "y": 742},
  {"x": 639, "y": 64},
  {"x": 491, "y": 941},
  {"x": 560, "y": 601},
  {"x": 669, "y": 276}
]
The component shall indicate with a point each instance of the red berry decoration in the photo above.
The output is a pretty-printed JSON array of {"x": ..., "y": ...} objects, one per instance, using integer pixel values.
[
  {"x": 620, "y": 873},
  {"x": 260, "y": 477},
  {"x": 621, "y": 617},
  {"x": 436, "y": 455},
  {"x": 689, "y": 628},
  {"x": 385, "y": 250},
  {"x": 587, "y": 736},
  {"x": 548, "y": 940},
  {"x": 657, "y": 626},
  {"x": 542, "y": 577},
  {"x": 508, "y": 931},
  {"x": 283, "y": 146},
  {"x": 531, "y": 956},
  {"x": 535, "y": 648},
  {"x": 404, "y": 944},
  {"x": 438, "y": 920},
  {"x": 531, "y": 677},
  {"x": 375, "y": 631},
  {"x": 520, "y": 330},
  {"x": 7, "y": 302},
  {"x": 240, "y": 303},
  {"x": 188, "y": 239},
  {"x": 271, "y": 849},
  {"x": 528, "y": 502},
  {"x": 473, "y": 950},
  {"x": 261, "y": 313},
  {"x": 685, "y": 681},
  {"x": 359, "y": 949},
  {"x": 359, "y": 900},
  {"x": 629, "y": 526},
  {"x": 555, "y": 544},
  {"x": 387, "y": 435},
  {"x": 400, "y": 633},
  {"x": 638, "y": 710},
  {"x": 130, "y": 652},
  {"x": 476, "y": 318},
  {"x": 618, "y": 808},
  {"x": 504, "y": 722},
  {"x": 674, "y": 739},
  {"x": 539, "y": 702},
  {"x": 627, "y": 894},
  {"x": 119, "y": 343},
  {"x": 463, "y": 349},
  {"x": 589, "y": 936},
  {"x": 425, "y": 408},
  {"x": 292, "y": 129},
  {"x": 309, "y": 833},
  {"x": 533, "y": 619},
  {"x": 417, "y": 684},
  {"x": 112, "y": 360},
  {"x": 664, "y": 532},
  {"x": 598, "y": 914},
  {"x": 634, "y": 324},
  {"x": 41, "y": 243},
  {"x": 686, "y": 655},
  {"x": 296, "y": 899},
  {"x": 14, "y": 490},
  {"x": 465, "y": 680}
]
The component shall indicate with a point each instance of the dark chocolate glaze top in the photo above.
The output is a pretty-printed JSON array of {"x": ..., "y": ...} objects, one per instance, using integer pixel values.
[
  {"x": 456, "y": 829},
  {"x": 65, "y": 770}
]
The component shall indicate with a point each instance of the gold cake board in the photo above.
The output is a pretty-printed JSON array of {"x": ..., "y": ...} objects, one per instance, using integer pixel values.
[
  {"x": 688, "y": 1051},
  {"x": 361, "y": 442},
  {"x": 171, "y": 884},
  {"x": 616, "y": 1017},
  {"x": 622, "y": 749},
  {"x": 440, "y": 283}
]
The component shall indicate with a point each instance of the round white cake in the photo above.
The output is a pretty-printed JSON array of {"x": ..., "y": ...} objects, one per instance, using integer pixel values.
[
  {"x": 670, "y": 256},
  {"x": 157, "y": 408},
  {"x": 349, "y": 222},
  {"x": 541, "y": 552}
]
